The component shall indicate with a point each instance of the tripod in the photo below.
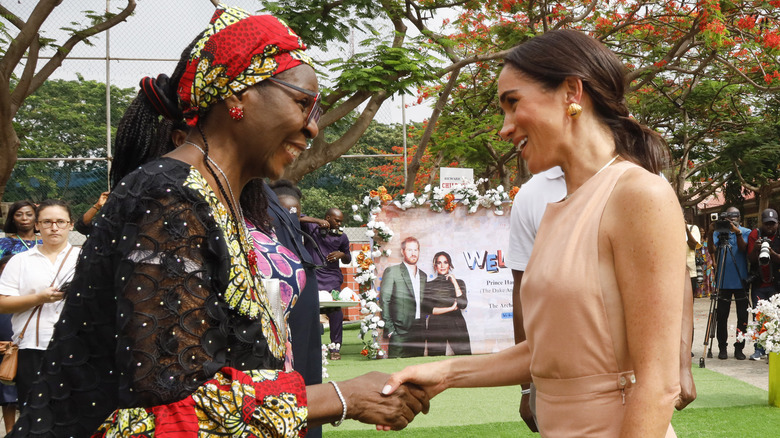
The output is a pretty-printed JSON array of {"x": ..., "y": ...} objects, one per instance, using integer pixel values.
[{"x": 723, "y": 246}]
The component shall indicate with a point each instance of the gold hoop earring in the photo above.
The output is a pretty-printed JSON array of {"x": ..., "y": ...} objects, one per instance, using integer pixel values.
[{"x": 574, "y": 110}]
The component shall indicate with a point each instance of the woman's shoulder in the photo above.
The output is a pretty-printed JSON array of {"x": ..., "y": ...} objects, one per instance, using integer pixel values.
[
  {"x": 640, "y": 200},
  {"x": 637, "y": 184},
  {"x": 154, "y": 173}
]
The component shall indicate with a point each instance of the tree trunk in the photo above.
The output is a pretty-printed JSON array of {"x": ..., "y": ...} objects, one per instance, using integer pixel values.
[
  {"x": 9, "y": 145},
  {"x": 414, "y": 166},
  {"x": 764, "y": 194}
]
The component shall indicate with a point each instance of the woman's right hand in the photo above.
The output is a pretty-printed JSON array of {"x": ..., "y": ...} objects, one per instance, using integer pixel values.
[
  {"x": 394, "y": 411},
  {"x": 431, "y": 377},
  {"x": 50, "y": 295}
]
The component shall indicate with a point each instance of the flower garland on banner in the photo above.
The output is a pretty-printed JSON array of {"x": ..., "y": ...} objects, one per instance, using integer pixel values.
[
  {"x": 765, "y": 330},
  {"x": 369, "y": 307},
  {"x": 437, "y": 199}
]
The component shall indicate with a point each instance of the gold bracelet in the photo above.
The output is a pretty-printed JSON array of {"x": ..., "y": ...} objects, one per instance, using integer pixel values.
[{"x": 96, "y": 207}]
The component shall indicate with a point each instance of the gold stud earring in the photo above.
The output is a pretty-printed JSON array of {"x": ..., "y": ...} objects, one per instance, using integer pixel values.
[{"x": 574, "y": 110}]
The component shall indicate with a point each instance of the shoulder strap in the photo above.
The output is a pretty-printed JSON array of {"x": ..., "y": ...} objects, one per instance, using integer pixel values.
[
  {"x": 61, "y": 265},
  {"x": 39, "y": 308}
]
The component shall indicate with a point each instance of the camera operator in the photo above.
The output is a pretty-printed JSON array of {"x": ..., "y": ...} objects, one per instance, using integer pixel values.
[
  {"x": 763, "y": 249},
  {"x": 333, "y": 246},
  {"x": 727, "y": 241}
]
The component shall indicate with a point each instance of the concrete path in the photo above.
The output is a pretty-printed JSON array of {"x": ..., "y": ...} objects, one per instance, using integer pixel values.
[{"x": 750, "y": 371}]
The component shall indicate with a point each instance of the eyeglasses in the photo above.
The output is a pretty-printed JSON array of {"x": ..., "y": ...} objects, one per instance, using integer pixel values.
[
  {"x": 47, "y": 223},
  {"x": 316, "y": 110}
]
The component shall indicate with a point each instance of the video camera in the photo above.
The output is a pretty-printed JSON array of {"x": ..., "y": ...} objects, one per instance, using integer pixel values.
[{"x": 723, "y": 221}]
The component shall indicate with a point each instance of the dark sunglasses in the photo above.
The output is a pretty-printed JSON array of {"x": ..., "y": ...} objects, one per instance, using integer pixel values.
[{"x": 316, "y": 110}]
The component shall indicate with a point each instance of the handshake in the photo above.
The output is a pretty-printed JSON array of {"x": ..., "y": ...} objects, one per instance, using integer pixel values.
[{"x": 365, "y": 402}]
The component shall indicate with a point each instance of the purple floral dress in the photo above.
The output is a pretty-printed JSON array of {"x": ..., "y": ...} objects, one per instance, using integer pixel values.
[{"x": 274, "y": 260}]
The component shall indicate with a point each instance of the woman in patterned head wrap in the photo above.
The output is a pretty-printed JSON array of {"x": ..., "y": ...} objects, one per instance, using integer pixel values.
[{"x": 175, "y": 319}]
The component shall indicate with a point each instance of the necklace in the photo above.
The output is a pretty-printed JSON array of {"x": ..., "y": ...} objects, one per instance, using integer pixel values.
[
  {"x": 603, "y": 167},
  {"x": 238, "y": 215},
  {"x": 34, "y": 241}
]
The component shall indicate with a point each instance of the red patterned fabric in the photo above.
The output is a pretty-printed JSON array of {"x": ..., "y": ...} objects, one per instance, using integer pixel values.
[
  {"x": 236, "y": 51},
  {"x": 256, "y": 403}
]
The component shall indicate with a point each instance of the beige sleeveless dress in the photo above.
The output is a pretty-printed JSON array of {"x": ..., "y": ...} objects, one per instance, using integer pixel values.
[{"x": 574, "y": 321}]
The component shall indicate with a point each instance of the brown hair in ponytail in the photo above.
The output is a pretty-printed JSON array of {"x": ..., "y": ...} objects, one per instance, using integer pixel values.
[{"x": 552, "y": 57}]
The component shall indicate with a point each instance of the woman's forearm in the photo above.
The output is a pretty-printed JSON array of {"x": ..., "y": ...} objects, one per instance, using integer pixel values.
[
  {"x": 14, "y": 304},
  {"x": 324, "y": 404},
  {"x": 511, "y": 366},
  {"x": 649, "y": 410}
]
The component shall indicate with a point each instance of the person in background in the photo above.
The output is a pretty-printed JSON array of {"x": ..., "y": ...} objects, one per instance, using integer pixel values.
[
  {"x": 8, "y": 397},
  {"x": 284, "y": 208},
  {"x": 19, "y": 229},
  {"x": 84, "y": 224},
  {"x": 693, "y": 241},
  {"x": 445, "y": 298},
  {"x": 31, "y": 288},
  {"x": 765, "y": 266},
  {"x": 730, "y": 276},
  {"x": 329, "y": 246},
  {"x": 167, "y": 325},
  {"x": 401, "y": 294},
  {"x": 527, "y": 211}
]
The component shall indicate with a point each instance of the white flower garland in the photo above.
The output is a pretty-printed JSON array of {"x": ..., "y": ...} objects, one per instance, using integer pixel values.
[{"x": 438, "y": 199}]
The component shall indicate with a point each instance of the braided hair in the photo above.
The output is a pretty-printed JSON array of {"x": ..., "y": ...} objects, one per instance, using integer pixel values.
[
  {"x": 552, "y": 57},
  {"x": 144, "y": 132}
]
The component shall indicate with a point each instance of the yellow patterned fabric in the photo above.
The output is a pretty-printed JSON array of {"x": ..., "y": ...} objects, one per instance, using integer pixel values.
[
  {"x": 236, "y": 51},
  {"x": 257, "y": 403},
  {"x": 244, "y": 293}
]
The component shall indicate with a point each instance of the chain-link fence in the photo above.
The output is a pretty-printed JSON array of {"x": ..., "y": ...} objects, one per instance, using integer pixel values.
[{"x": 147, "y": 44}]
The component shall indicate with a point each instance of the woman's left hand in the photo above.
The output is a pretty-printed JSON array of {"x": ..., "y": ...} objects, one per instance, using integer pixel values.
[{"x": 50, "y": 295}]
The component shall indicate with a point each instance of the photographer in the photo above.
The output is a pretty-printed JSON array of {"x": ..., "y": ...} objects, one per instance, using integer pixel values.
[
  {"x": 763, "y": 248},
  {"x": 727, "y": 241},
  {"x": 332, "y": 245}
]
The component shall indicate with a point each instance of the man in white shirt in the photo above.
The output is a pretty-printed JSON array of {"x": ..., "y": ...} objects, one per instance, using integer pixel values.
[
  {"x": 400, "y": 294},
  {"x": 527, "y": 210}
]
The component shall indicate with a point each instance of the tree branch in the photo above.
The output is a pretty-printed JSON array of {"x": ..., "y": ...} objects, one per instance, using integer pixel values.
[
  {"x": 414, "y": 166},
  {"x": 27, "y": 33},
  {"x": 66, "y": 48}
]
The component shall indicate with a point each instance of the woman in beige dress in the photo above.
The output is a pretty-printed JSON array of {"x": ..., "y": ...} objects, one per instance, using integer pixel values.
[{"x": 603, "y": 292}]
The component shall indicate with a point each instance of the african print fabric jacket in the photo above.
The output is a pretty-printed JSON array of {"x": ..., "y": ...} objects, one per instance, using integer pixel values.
[{"x": 163, "y": 318}]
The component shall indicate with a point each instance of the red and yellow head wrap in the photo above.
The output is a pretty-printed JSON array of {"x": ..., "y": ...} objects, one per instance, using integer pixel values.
[{"x": 236, "y": 51}]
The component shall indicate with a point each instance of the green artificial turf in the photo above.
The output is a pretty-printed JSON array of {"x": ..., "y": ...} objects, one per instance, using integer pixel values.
[{"x": 724, "y": 407}]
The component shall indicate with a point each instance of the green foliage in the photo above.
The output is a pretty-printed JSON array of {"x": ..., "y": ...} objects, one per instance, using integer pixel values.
[
  {"x": 68, "y": 118},
  {"x": 385, "y": 68},
  {"x": 342, "y": 182},
  {"x": 319, "y": 22},
  {"x": 65, "y": 119}
]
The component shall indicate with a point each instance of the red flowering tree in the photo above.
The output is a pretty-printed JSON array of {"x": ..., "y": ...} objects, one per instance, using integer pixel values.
[{"x": 671, "y": 48}]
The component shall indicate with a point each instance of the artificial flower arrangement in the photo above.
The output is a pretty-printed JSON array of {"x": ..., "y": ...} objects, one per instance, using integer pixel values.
[
  {"x": 369, "y": 306},
  {"x": 438, "y": 200},
  {"x": 765, "y": 330}
]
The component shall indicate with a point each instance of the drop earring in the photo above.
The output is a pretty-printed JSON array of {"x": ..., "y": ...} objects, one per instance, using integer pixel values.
[
  {"x": 574, "y": 110},
  {"x": 236, "y": 113}
]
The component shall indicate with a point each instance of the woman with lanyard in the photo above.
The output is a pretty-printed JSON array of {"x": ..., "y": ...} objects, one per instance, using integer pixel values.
[
  {"x": 31, "y": 289},
  {"x": 19, "y": 229},
  {"x": 20, "y": 236},
  {"x": 168, "y": 323}
]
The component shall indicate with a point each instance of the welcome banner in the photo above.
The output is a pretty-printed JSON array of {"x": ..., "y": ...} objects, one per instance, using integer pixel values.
[{"x": 476, "y": 244}]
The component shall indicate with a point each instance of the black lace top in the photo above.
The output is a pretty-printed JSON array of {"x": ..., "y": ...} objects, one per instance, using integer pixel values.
[{"x": 158, "y": 304}]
